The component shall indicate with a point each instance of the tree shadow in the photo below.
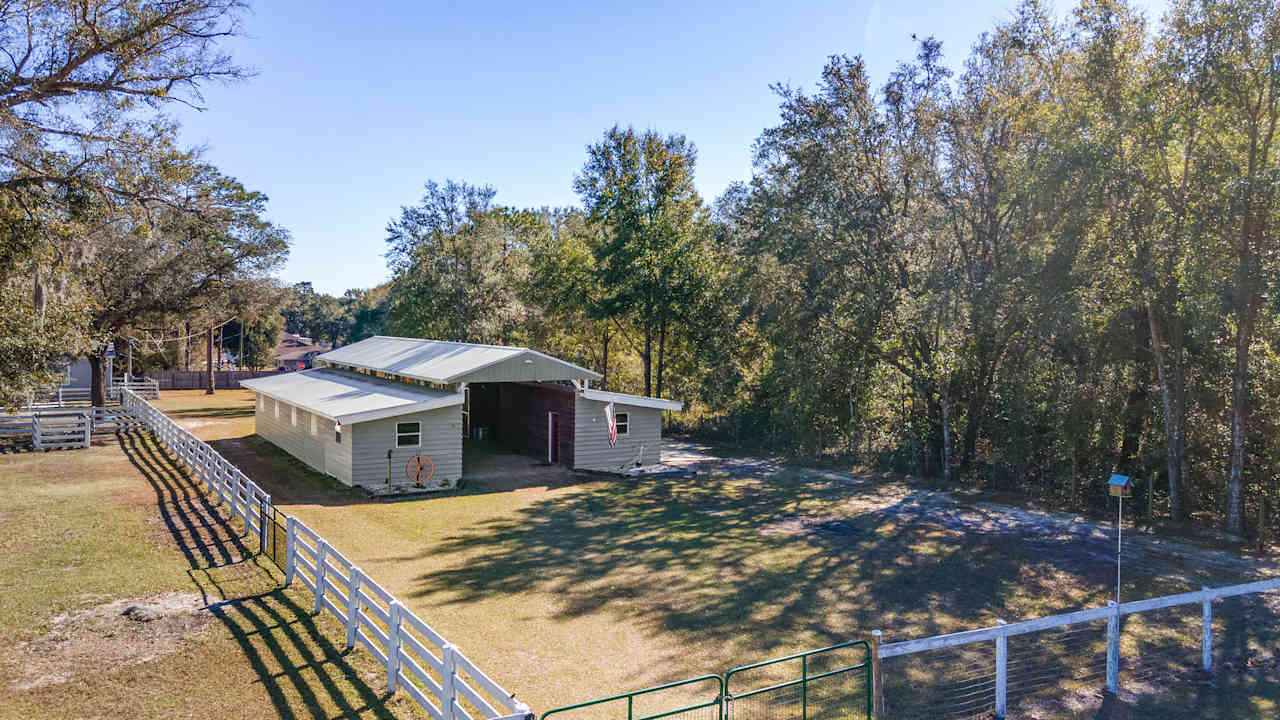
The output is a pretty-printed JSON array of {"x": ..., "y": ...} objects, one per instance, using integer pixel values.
[
  {"x": 763, "y": 567},
  {"x": 303, "y": 673}
]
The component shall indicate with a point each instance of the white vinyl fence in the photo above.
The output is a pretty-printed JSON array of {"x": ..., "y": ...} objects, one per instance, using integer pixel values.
[
  {"x": 1001, "y": 633},
  {"x": 418, "y": 660}
]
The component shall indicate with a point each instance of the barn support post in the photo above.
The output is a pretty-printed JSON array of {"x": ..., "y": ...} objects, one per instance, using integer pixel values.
[
  {"x": 393, "y": 645},
  {"x": 1206, "y": 632},
  {"x": 353, "y": 604},
  {"x": 1002, "y": 671},
  {"x": 1113, "y": 648}
]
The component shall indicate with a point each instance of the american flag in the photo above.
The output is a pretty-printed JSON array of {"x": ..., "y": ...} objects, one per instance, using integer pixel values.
[{"x": 613, "y": 424}]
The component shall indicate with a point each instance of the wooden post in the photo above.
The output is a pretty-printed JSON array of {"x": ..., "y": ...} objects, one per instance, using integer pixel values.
[
  {"x": 393, "y": 645},
  {"x": 1002, "y": 671},
  {"x": 353, "y": 605},
  {"x": 320, "y": 553},
  {"x": 262, "y": 525},
  {"x": 1113, "y": 649},
  {"x": 208, "y": 360},
  {"x": 1206, "y": 632},
  {"x": 449, "y": 680},
  {"x": 877, "y": 676},
  {"x": 290, "y": 550}
]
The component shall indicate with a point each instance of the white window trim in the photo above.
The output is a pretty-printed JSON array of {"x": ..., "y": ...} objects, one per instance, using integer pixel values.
[
  {"x": 624, "y": 426},
  {"x": 418, "y": 433}
]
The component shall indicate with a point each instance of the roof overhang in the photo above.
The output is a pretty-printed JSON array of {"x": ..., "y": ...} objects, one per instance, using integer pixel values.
[
  {"x": 635, "y": 400},
  {"x": 346, "y": 398}
]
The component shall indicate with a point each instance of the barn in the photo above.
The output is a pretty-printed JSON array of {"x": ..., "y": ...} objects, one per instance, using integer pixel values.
[{"x": 388, "y": 412}]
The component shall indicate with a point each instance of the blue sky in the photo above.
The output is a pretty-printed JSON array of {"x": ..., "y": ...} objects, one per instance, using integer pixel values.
[{"x": 353, "y": 110}]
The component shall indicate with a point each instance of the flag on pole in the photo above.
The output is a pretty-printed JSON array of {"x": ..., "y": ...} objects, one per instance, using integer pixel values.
[{"x": 613, "y": 424}]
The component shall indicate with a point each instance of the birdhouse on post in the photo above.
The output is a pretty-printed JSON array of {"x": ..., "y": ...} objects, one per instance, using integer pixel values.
[{"x": 1120, "y": 486}]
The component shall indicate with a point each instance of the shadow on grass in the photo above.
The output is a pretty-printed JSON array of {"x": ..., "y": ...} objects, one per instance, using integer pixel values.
[
  {"x": 762, "y": 568},
  {"x": 302, "y": 671}
]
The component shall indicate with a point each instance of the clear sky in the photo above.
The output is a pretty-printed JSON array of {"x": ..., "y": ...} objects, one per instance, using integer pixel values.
[{"x": 356, "y": 105}]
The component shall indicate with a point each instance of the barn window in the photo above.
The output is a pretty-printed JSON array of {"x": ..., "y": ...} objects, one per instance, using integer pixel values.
[
  {"x": 408, "y": 434},
  {"x": 623, "y": 421},
  {"x": 337, "y": 432}
]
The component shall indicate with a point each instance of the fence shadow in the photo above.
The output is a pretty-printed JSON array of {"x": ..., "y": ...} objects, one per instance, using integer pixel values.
[{"x": 304, "y": 673}]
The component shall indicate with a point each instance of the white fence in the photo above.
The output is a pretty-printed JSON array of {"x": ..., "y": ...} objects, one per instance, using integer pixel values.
[
  {"x": 145, "y": 387},
  {"x": 61, "y": 430},
  {"x": 417, "y": 659},
  {"x": 1001, "y": 633}
]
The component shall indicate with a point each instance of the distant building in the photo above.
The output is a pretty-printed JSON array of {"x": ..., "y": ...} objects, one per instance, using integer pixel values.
[
  {"x": 296, "y": 352},
  {"x": 368, "y": 409}
]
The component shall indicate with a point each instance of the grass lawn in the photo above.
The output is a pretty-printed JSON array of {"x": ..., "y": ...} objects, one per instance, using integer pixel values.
[
  {"x": 85, "y": 534},
  {"x": 567, "y": 593}
]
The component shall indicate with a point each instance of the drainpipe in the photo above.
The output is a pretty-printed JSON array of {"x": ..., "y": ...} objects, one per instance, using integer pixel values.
[{"x": 388, "y": 467}]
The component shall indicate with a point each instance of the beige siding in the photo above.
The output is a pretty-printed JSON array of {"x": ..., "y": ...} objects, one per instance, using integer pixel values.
[
  {"x": 441, "y": 441},
  {"x": 318, "y": 450},
  {"x": 591, "y": 437}
]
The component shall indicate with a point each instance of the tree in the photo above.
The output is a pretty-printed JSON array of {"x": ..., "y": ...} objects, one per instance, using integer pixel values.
[
  {"x": 199, "y": 256},
  {"x": 457, "y": 263},
  {"x": 638, "y": 189},
  {"x": 77, "y": 82}
]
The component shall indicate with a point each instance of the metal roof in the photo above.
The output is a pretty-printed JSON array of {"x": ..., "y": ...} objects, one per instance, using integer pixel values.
[
  {"x": 442, "y": 361},
  {"x": 636, "y": 400},
  {"x": 349, "y": 397}
]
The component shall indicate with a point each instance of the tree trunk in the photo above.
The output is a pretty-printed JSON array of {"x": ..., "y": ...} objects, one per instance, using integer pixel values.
[
  {"x": 662, "y": 350},
  {"x": 648, "y": 359},
  {"x": 1169, "y": 395},
  {"x": 946, "y": 437},
  {"x": 208, "y": 359},
  {"x": 97, "y": 383},
  {"x": 604, "y": 364},
  {"x": 186, "y": 360},
  {"x": 1135, "y": 405},
  {"x": 1239, "y": 415}
]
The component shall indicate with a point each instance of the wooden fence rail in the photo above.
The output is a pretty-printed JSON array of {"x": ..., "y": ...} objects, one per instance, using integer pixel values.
[{"x": 417, "y": 659}]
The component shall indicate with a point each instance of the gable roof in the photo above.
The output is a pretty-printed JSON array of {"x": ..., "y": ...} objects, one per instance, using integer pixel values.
[
  {"x": 349, "y": 397},
  {"x": 442, "y": 361}
]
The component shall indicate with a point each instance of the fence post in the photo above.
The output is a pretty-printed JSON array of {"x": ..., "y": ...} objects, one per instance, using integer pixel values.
[
  {"x": 290, "y": 550},
  {"x": 448, "y": 679},
  {"x": 393, "y": 645},
  {"x": 1002, "y": 671},
  {"x": 320, "y": 553},
  {"x": 88, "y": 425},
  {"x": 1113, "y": 648},
  {"x": 877, "y": 677},
  {"x": 262, "y": 525},
  {"x": 1206, "y": 632},
  {"x": 353, "y": 604}
]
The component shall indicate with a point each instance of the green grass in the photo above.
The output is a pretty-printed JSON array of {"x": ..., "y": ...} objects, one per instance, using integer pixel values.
[
  {"x": 121, "y": 521},
  {"x": 569, "y": 593}
]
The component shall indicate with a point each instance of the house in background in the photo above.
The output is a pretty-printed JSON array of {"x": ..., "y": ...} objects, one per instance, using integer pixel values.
[
  {"x": 367, "y": 410},
  {"x": 295, "y": 352}
]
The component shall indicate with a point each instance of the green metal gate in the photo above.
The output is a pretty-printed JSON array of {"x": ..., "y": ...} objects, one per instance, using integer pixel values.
[{"x": 831, "y": 683}]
